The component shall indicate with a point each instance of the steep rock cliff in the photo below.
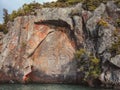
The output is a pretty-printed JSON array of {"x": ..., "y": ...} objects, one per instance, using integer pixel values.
[{"x": 41, "y": 48}]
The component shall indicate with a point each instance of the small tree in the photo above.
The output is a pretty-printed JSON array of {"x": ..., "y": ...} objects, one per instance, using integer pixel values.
[
  {"x": 62, "y": 0},
  {"x": 5, "y": 16}
]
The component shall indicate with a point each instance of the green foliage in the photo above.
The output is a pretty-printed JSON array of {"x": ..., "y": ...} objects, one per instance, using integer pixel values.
[
  {"x": 72, "y": 2},
  {"x": 55, "y": 4},
  {"x": 13, "y": 15},
  {"x": 102, "y": 22},
  {"x": 115, "y": 48},
  {"x": 90, "y": 4},
  {"x": 94, "y": 67},
  {"x": 26, "y": 9},
  {"x": 5, "y": 31},
  {"x": 87, "y": 4},
  {"x": 117, "y": 2},
  {"x": 88, "y": 64},
  {"x": 23, "y": 44},
  {"x": 118, "y": 22},
  {"x": 94, "y": 60},
  {"x": 62, "y": 0},
  {"x": 79, "y": 53},
  {"x": 5, "y": 16},
  {"x": 3, "y": 28}
]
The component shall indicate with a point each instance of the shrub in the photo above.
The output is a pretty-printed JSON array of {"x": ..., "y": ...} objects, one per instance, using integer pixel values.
[
  {"x": 103, "y": 23},
  {"x": 5, "y": 16},
  {"x": 115, "y": 33},
  {"x": 95, "y": 61},
  {"x": 72, "y": 2},
  {"x": 115, "y": 48},
  {"x": 117, "y": 2},
  {"x": 3, "y": 28},
  {"x": 26, "y": 9},
  {"x": 79, "y": 53},
  {"x": 23, "y": 44},
  {"x": 88, "y": 64},
  {"x": 118, "y": 22}
]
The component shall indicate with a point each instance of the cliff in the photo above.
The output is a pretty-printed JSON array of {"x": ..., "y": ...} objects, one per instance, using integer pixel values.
[{"x": 41, "y": 48}]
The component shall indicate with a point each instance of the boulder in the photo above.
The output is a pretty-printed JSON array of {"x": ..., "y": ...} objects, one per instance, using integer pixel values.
[{"x": 116, "y": 60}]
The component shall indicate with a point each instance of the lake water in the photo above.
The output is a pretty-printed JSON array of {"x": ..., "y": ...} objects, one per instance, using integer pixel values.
[{"x": 45, "y": 87}]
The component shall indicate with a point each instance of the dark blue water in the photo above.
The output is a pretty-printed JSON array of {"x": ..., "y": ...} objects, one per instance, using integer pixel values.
[{"x": 45, "y": 87}]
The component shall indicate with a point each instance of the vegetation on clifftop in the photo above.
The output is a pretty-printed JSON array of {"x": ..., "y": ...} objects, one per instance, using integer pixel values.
[{"x": 28, "y": 9}]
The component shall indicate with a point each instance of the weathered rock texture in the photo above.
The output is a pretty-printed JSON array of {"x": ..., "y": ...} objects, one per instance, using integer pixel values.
[{"x": 40, "y": 48}]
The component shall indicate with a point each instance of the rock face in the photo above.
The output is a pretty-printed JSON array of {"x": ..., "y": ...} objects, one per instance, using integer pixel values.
[{"x": 41, "y": 48}]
